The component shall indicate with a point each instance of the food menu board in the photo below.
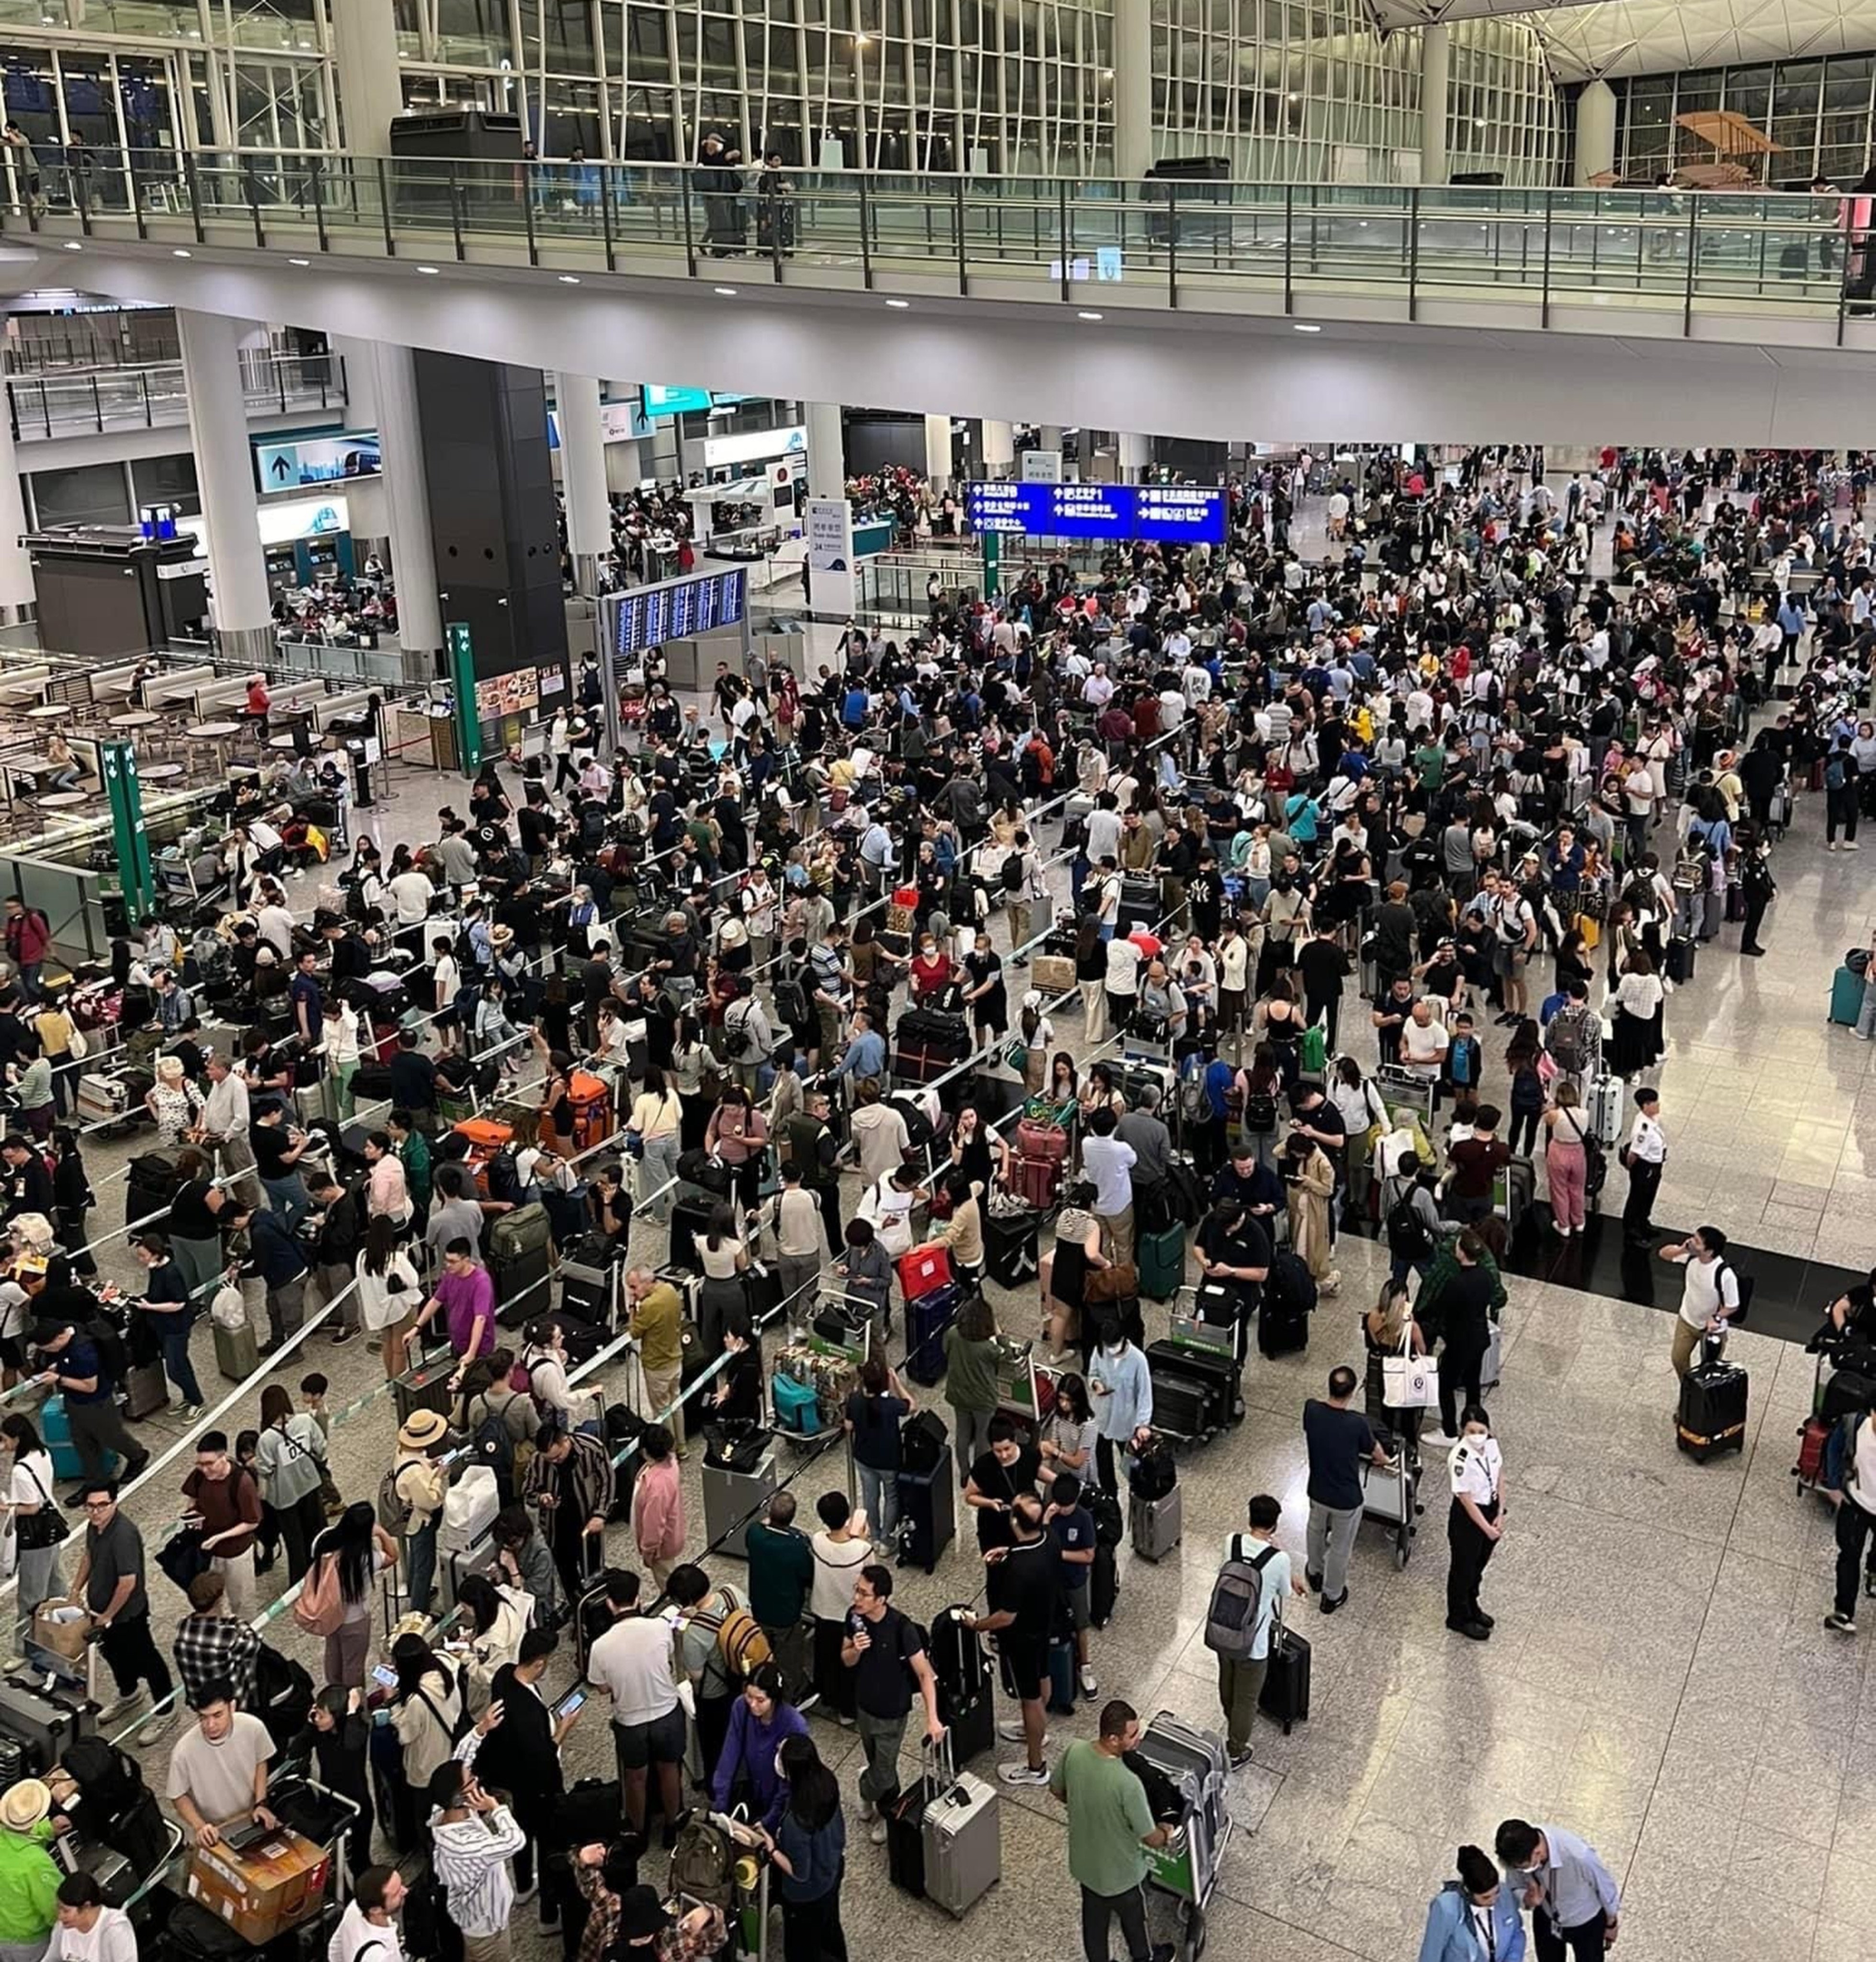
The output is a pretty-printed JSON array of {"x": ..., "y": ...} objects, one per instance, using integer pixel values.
[
  {"x": 505, "y": 694},
  {"x": 677, "y": 609},
  {"x": 1173, "y": 513}
]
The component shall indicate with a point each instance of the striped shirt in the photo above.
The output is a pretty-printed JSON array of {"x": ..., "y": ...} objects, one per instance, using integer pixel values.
[{"x": 471, "y": 1859}]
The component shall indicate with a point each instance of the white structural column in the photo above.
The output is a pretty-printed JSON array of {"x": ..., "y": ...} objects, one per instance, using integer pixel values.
[
  {"x": 1133, "y": 89},
  {"x": 998, "y": 449},
  {"x": 224, "y": 475},
  {"x": 938, "y": 450},
  {"x": 16, "y": 563},
  {"x": 1436, "y": 60},
  {"x": 582, "y": 478},
  {"x": 1595, "y": 131},
  {"x": 371, "y": 80},
  {"x": 827, "y": 451},
  {"x": 380, "y": 382},
  {"x": 1136, "y": 452}
]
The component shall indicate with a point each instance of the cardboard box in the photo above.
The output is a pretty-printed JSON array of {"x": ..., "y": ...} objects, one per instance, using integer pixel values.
[
  {"x": 1053, "y": 973},
  {"x": 278, "y": 1883}
]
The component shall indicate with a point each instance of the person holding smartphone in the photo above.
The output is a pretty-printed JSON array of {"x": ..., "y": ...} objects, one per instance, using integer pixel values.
[{"x": 523, "y": 1756}]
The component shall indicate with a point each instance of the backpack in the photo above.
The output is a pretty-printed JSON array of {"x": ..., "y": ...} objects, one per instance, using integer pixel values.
[
  {"x": 495, "y": 1445},
  {"x": 1260, "y": 1111},
  {"x": 504, "y": 1177},
  {"x": 1231, "y": 1621},
  {"x": 319, "y": 1607},
  {"x": 742, "y": 1645},
  {"x": 736, "y": 1040},
  {"x": 703, "y": 1862},
  {"x": 1408, "y": 1237},
  {"x": 1015, "y": 876},
  {"x": 1195, "y": 1102},
  {"x": 113, "y": 1357},
  {"x": 1291, "y": 1285},
  {"x": 791, "y": 999},
  {"x": 393, "y": 1508},
  {"x": 1835, "y": 776}
]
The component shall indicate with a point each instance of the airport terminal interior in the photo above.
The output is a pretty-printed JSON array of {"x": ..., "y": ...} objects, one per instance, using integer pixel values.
[{"x": 1199, "y": 678}]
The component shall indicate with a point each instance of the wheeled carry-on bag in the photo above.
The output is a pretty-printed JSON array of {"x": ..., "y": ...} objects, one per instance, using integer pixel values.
[
  {"x": 1285, "y": 1697},
  {"x": 964, "y": 1838},
  {"x": 928, "y": 1515},
  {"x": 1155, "y": 1526},
  {"x": 1712, "y": 1411},
  {"x": 1010, "y": 1247},
  {"x": 237, "y": 1352},
  {"x": 1161, "y": 1258},
  {"x": 1182, "y": 1405},
  {"x": 1605, "y": 1103},
  {"x": 426, "y": 1386},
  {"x": 518, "y": 1248},
  {"x": 1198, "y": 1766},
  {"x": 1846, "y": 997},
  {"x": 966, "y": 1686},
  {"x": 1214, "y": 1369}
]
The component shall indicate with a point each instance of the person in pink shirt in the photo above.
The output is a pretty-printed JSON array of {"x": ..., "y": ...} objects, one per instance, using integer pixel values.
[
  {"x": 658, "y": 1505},
  {"x": 465, "y": 1292}
]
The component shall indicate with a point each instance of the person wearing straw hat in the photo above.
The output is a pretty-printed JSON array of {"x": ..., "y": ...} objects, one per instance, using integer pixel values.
[
  {"x": 29, "y": 1876},
  {"x": 422, "y": 1484}
]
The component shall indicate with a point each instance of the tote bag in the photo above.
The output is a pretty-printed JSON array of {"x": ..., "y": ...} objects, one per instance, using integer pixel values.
[{"x": 1409, "y": 1382}]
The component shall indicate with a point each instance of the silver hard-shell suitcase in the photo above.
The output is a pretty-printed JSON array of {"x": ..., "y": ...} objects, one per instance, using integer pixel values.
[
  {"x": 964, "y": 1843},
  {"x": 1155, "y": 1526},
  {"x": 1490, "y": 1369},
  {"x": 1605, "y": 1102},
  {"x": 1198, "y": 1764}
]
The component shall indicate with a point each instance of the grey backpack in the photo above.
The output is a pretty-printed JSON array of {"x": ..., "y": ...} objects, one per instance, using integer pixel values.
[{"x": 1231, "y": 1621}]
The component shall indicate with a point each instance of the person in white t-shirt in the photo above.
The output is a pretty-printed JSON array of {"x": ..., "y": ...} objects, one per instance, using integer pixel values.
[
  {"x": 840, "y": 1549},
  {"x": 1709, "y": 1292},
  {"x": 368, "y": 1930},
  {"x": 631, "y": 1664},
  {"x": 87, "y": 1930},
  {"x": 1423, "y": 1041}
]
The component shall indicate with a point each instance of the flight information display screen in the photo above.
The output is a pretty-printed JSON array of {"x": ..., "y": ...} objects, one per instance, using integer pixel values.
[
  {"x": 677, "y": 609},
  {"x": 1170, "y": 513}
]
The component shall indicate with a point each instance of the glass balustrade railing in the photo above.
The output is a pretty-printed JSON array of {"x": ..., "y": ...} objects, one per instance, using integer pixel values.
[
  {"x": 1665, "y": 253},
  {"x": 115, "y": 398}
]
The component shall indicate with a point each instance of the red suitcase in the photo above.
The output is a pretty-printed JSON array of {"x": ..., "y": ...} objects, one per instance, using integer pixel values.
[
  {"x": 1042, "y": 1141},
  {"x": 923, "y": 1270},
  {"x": 1037, "y": 1181},
  {"x": 1814, "y": 1434}
]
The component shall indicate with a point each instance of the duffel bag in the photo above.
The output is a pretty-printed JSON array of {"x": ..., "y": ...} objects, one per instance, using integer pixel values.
[{"x": 698, "y": 1167}]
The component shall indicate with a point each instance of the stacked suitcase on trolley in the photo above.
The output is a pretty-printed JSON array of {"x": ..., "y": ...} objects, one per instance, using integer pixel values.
[
  {"x": 1185, "y": 1772},
  {"x": 1038, "y": 1164},
  {"x": 928, "y": 1043}
]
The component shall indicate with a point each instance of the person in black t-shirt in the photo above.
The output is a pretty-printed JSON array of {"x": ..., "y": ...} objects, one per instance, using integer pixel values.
[
  {"x": 1024, "y": 1585},
  {"x": 997, "y": 1477},
  {"x": 1324, "y": 967},
  {"x": 989, "y": 1003},
  {"x": 886, "y": 1653}
]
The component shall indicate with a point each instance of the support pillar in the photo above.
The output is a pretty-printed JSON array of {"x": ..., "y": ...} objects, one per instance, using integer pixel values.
[
  {"x": 938, "y": 451},
  {"x": 582, "y": 478},
  {"x": 1595, "y": 131},
  {"x": 218, "y": 429},
  {"x": 827, "y": 451},
  {"x": 1436, "y": 58},
  {"x": 16, "y": 565},
  {"x": 1136, "y": 452},
  {"x": 997, "y": 449},
  {"x": 370, "y": 76},
  {"x": 381, "y": 390},
  {"x": 1133, "y": 89}
]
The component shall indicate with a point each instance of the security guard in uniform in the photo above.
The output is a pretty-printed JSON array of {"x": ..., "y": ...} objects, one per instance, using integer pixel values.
[{"x": 1476, "y": 1523}]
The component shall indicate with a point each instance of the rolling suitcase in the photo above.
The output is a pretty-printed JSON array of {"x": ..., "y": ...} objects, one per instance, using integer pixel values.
[
  {"x": 928, "y": 1515},
  {"x": 1182, "y": 1406},
  {"x": 689, "y": 1217},
  {"x": 587, "y": 1292},
  {"x": 1197, "y": 1765},
  {"x": 1605, "y": 1102},
  {"x": 146, "y": 1391},
  {"x": 1491, "y": 1369},
  {"x": 1846, "y": 997},
  {"x": 1712, "y": 1411},
  {"x": 1139, "y": 904},
  {"x": 152, "y": 1186},
  {"x": 1681, "y": 952},
  {"x": 237, "y": 1353},
  {"x": 426, "y": 1386},
  {"x": 1155, "y": 1526},
  {"x": 1037, "y": 1181},
  {"x": 55, "y": 1431},
  {"x": 1813, "y": 1435},
  {"x": 1103, "y": 1585},
  {"x": 963, "y": 1848},
  {"x": 1281, "y": 1329},
  {"x": 1161, "y": 1258},
  {"x": 1010, "y": 1247},
  {"x": 967, "y": 1699},
  {"x": 1285, "y": 1697},
  {"x": 927, "y": 1318},
  {"x": 1215, "y": 1370},
  {"x": 519, "y": 1247}
]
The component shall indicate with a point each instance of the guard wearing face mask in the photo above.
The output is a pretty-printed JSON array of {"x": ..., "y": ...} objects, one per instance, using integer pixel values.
[{"x": 1476, "y": 1523}]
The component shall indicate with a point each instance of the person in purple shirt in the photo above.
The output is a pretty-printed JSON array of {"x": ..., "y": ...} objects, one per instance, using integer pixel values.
[
  {"x": 762, "y": 1719},
  {"x": 466, "y": 1294}
]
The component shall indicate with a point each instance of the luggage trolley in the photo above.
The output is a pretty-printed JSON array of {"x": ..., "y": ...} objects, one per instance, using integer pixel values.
[
  {"x": 1390, "y": 1494},
  {"x": 1194, "y": 1762}
]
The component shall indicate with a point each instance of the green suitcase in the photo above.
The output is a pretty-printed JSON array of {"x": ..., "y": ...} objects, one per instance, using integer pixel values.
[{"x": 1162, "y": 1261}]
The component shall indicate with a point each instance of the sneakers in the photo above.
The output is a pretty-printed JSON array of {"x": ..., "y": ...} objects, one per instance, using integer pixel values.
[
  {"x": 122, "y": 1706},
  {"x": 868, "y": 1810},
  {"x": 1022, "y": 1773},
  {"x": 191, "y": 1413},
  {"x": 1329, "y": 1605},
  {"x": 524, "y": 1895},
  {"x": 1089, "y": 1685},
  {"x": 1851, "y": 845},
  {"x": 344, "y": 1335},
  {"x": 1832, "y": 845},
  {"x": 876, "y": 1832},
  {"x": 1841, "y": 1624},
  {"x": 1240, "y": 1759},
  {"x": 1473, "y": 1632},
  {"x": 152, "y": 1732},
  {"x": 1012, "y": 1733},
  {"x": 1313, "y": 1580}
]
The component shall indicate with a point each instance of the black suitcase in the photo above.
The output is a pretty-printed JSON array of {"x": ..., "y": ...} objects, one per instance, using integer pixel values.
[
  {"x": 1182, "y": 1405},
  {"x": 965, "y": 1697},
  {"x": 1285, "y": 1696},
  {"x": 928, "y": 1516},
  {"x": 1712, "y": 1411},
  {"x": 584, "y": 1339},
  {"x": 1281, "y": 1330},
  {"x": 934, "y": 1031},
  {"x": 426, "y": 1386},
  {"x": 923, "y": 1445},
  {"x": 689, "y": 1217},
  {"x": 1139, "y": 903},
  {"x": 192, "y": 1934},
  {"x": 1010, "y": 1255},
  {"x": 1681, "y": 951},
  {"x": 1215, "y": 1369},
  {"x": 1103, "y": 1584},
  {"x": 152, "y": 1185},
  {"x": 905, "y": 1836}
]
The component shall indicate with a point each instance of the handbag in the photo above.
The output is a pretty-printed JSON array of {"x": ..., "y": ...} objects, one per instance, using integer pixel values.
[
  {"x": 1409, "y": 1382},
  {"x": 46, "y": 1527},
  {"x": 182, "y": 1558},
  {"x": 1118, "y": 1281}
]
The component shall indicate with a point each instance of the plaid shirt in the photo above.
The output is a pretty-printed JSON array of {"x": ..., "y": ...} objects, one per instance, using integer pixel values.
[
  {"x": 677, "y": 1943},
  {"x": 208, "y": 1647}
]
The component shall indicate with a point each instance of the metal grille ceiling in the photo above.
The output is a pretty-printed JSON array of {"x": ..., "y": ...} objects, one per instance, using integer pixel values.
[{"x": 1585, "y": 38}]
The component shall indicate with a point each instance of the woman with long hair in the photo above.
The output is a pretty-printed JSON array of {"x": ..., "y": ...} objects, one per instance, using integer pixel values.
[
  {"x": 808, "y": 1848},
  {"x": 657, "y": 1118},
  {"x": 290, "y": 1464},
  {"x": 389, "y": 1292},
  {"x": 749, "y": 1768},
  {"x": 723, "y": 1257},
  {"x": 361, "y": 1550},
  {"x": 38, "y": 1525}
]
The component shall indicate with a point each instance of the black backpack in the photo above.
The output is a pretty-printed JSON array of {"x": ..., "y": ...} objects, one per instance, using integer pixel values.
[
  {"x": 1015, "y": 874},
  {"x": 113, "y": 1357},
  {"x": 1291, "y": 1287},
  {"x": 493, "y": 1444},
  {"x": 791, "y": 999},
  {"x": 1407, "y": 1237}
]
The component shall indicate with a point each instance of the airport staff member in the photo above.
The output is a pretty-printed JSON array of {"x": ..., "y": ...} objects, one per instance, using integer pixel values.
[{"x": 1574, "y": 1902}]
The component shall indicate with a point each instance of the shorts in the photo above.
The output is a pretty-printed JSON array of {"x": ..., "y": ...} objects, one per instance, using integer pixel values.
[
  {"x": 12, "y": 1352},
  {"x": 1080, "y": 1615},
  {"x": 1230, "y": 1009},
  {"x": 660, "y": 1742},
  {"x": 1511, "y": 960},
  {"x": 1025, "y": 1667}
]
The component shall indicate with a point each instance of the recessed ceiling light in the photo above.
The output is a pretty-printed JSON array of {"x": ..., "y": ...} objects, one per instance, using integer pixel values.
[
  {"x": 569, "y": 279},
  {"x": 1305, "y": 327},
  {"x": 180, "y": 254},
  {"x": 726, "y": 292},
  {"x": 1085, "y": 315},
  {"x": 299, "y": 262},
  {"x": 430, "y": 270},
  {"x": 72, "y": 245},
  {"x": 901, "y": 305}
]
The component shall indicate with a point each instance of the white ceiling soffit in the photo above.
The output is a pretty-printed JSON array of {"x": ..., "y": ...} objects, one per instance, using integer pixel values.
[{"x": 1585, "y": 38}]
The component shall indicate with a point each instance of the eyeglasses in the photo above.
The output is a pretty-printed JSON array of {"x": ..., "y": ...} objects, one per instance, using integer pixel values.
[{"x": 99, "y": 1505}]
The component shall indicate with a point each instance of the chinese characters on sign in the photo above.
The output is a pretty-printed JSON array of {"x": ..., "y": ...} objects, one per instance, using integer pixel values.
[{"x": 1173, "y": 513}]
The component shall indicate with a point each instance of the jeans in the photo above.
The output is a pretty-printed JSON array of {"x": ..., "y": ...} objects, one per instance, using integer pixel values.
[
  {"x": 880, "y": 1739},
  {"x": 658, "y": 1167},
  {"x": 40, "y": 1580},
  {"x": 1098, "y": 1909},
  {"x": 971, "y": 1437},
  {"x": 176, "y": 1365},
  {"x": 1331, "y": 1540},
  {"x": 289, "y": 1197},
  {"x": 420, "y": 1554},
  {"x": 29, "y": 973},
  {"x": 879, "y": 1497}
]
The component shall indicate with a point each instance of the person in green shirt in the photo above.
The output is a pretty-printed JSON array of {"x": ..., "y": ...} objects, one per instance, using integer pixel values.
[
  {"x": 1111, "y": 1829},
  {"x": 29, "y": 1877},
  {"x": 414, "y": 1148},
  {"x": 972, "y": 1358},
  {"x": 781, "y": 1573}
]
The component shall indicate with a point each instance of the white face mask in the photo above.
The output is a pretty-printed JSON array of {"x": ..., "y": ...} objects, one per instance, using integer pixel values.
[{"x": 1476, "y": 1439}]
